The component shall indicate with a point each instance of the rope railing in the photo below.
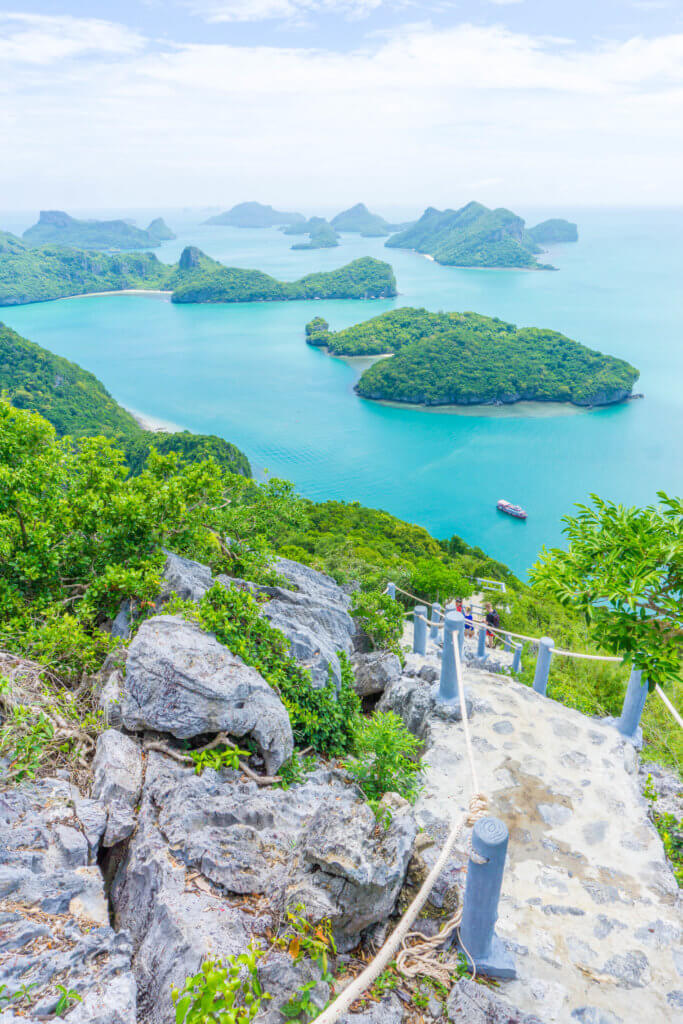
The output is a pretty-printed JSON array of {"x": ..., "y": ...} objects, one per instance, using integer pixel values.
[
  {"x": 633, "y": 702},
  {"x": 414, "y": 952}
]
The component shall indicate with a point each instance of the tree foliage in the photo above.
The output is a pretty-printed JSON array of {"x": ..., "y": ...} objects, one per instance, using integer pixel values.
[
  {"x": 623, "y": 570},
  {"x": 467, "y": 358},
  {"x": 77, "y": 403}
]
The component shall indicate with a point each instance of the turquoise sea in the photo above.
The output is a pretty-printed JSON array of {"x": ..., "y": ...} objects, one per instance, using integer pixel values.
[{"x": 244, "y": 372}]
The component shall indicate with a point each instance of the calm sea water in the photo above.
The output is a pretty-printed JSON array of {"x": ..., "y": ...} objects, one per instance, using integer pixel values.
[{"x": 244, "y": 372}]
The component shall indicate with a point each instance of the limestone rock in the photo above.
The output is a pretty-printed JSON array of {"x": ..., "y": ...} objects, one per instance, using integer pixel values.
[
  {"x": 375, "y": 671},
  {"x": 388, "y": 1011},
  {"x": 117, "y": 771},
  {"x": 55, "y": 922},
  {"x": 182, "y": 681},
  {"x": 188, "y": 579},
  {"x": 314, "y": 617},
  {"x": 469, "y": 1003}
]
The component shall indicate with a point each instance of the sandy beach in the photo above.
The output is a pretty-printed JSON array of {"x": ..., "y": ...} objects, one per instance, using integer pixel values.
[
  {"x": 120, "y": 291},
  {"x": 152, "y": 423}
]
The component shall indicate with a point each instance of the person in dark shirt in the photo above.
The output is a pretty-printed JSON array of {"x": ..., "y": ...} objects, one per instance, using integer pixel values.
[{"x": 492, "y": 619}]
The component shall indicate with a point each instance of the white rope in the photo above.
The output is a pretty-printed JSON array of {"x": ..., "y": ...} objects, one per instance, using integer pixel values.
[{"x": 667, "y": 703}]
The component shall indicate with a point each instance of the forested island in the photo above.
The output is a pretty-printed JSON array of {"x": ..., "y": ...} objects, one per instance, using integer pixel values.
[
  {"x": 77, "y": 404},
  {"x": 52, "y": 272},
  {"x": 322, "y": 236},
  {"x": 470, "y": 359},
  {"x": 365, "y": 278},
  {"x": 255, "y": 215},
  {"x": 57, "y": 228},
  {"x": 549, "y": 232},
  {"x": 359, "y": 220},
  {"x": 475, "y": 236}
]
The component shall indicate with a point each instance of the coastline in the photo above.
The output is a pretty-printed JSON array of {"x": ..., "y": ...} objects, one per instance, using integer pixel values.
[
  {"x": 522, "y": 410},
  {"x": 152, "y": 423},
  {"x": 118, "y": 291}
]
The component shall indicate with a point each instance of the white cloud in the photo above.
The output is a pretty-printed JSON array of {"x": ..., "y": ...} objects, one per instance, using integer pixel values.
[
  {"x": 39, "y": 39},
  {"x": 262, "y": 10},
  {"x": 415, "y": 118}
]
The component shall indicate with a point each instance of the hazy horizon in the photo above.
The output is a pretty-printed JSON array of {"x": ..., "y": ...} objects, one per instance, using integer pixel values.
[{"x": 394, "y": 103}]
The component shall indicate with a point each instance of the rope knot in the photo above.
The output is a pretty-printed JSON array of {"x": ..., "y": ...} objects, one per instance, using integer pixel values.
[{"x": 477, "y": 809}]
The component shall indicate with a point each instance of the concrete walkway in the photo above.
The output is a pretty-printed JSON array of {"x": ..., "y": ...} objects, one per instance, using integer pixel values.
[{"x": 590, "y": 906}]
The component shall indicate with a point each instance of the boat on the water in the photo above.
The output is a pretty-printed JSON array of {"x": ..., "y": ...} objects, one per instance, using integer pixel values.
[{"x": 511, "y": 510}]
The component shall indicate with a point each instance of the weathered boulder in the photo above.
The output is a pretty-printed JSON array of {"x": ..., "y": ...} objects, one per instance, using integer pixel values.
[
  {"x": 415, "y": 700},
  {"x": 109, "y": 699},
  {"x": 182, "y": 576},
  {"x": 216, "y": 859},
  {"x": 54, "y": 914},
  {"x": 375, "y": 671},
  {"x": 469, "y": 1003},
  {"x": 117, "y": 781},
  {"x": 314, "y": 617},
  {"x": 182, "y": 681},
  {"x": 387, "y": 1011}
]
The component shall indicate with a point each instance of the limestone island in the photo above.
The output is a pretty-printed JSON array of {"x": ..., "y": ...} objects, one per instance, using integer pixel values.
[
  {"x": 359, "y": 220},
  {"x": 470, "y": 359},
  {"x": 52, "y": 272},
  {"x": 321, "y": 236},
  {"x": 475, "y": 236},
  {"x": 54, "y": 227},
  {"x": 254, "y": 215}
]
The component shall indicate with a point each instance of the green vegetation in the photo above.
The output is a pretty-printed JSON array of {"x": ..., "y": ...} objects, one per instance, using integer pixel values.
[
  {"x": 321, "y": 237},
  {"x": 466, "y": 359},
  {"x": 305, "y": 227},
  {"x": 364, "y": 278},
  {"x": 380, "y": 617},
  {"x": 254, "y": 215},
  {"x": 57, "y": 228},
  {"x": 670, "y": 829},
  {"x": 358, "y": 219},
  {"x": 77, "y": 403},
  {"x": 320, "y": 718},
  {"x": 50, "y": 272},
  {"x": 473, "y": 236},
  {"x": 220, "y": 994},
  {"x": 36, "y": 275},
  {"x": 554, "y": 230},
  {"x": 623, "y": 571},
  {"x": 388, "y": 758}
]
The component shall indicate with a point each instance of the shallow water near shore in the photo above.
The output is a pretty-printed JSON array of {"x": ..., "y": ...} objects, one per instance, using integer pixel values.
[{"x": 244, "y": 371}]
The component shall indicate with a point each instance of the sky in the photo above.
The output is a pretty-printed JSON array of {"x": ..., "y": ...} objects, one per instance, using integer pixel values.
[{"x": 316, "y": 104}]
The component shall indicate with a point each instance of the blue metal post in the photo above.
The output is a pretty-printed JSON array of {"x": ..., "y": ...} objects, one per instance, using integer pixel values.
[
  {"x": 507, "y": 643},
  {"x": 435, "y": 618},
  {"x": 460, "y": 626},
  {"x": 480, "y": 903},
  {"x": 419, "y": 629},
  {"x": 634, "y": 702},
  {"x": 517, "y": 659},
  {"x": 391, "y": 590},
  {"x": 448, "y": 684},
  {"x": 545, "y": 653},
  {"x": 481, "y": 642}
]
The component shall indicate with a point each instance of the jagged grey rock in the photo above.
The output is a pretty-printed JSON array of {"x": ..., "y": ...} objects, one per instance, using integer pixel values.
[
  {"x": 182, "y": 681},
  {"x": 55, "y": 922},
  {"x": 216, "y": 859},
  {"x": 388, "y": 1011},
  {"x": 375, "y": 671},
  {"x": 314, "y": 618},
  {"x": 188, "y": 579},
  {"x": 469, "y": 1003},
  {"x": 109, "y": 699},
  {"x": 117, "y": 781}
]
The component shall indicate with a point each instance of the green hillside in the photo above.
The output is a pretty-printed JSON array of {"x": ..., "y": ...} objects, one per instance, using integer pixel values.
[
  {"x": 254, "y": 215},
  {"x": 554, "y": 230},
  {"x": 76, "y": 403},
  {"x": 468, "y": 359},
  {"x": 364, "y": 278},
  {"x": 473, "y": 236},
  {"x": 322, "y": 236}
]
